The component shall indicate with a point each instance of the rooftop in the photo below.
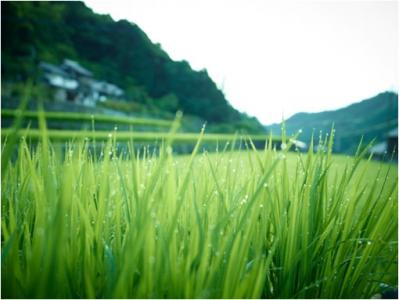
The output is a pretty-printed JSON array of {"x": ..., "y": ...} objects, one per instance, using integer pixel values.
[
  {"x": 52, "y": 69},
  {"x": 73, "y": 65}
]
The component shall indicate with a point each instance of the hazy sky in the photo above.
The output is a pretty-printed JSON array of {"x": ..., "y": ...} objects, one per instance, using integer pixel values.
[{"x": 275, "y": 58}]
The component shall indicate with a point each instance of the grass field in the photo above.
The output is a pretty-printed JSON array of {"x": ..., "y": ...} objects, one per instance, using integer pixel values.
[
  {"x": 81, "y": 117},
  {"x": 68, "y": 135},
  {"x": 240, "y": 223}
]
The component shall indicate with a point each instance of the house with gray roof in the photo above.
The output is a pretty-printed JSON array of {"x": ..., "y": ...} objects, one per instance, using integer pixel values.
[{"x": 72, "y": 82}]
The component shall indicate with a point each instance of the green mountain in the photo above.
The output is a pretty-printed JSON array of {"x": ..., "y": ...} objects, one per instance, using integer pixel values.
[
  {"x": 118, "y": 52},
  {"x": 370, "y": 118}
]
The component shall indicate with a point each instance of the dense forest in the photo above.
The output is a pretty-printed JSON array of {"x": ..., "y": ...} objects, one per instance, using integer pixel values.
[
  {"x": 371, "y": 119},
  {"x": 118, "y": 52}
]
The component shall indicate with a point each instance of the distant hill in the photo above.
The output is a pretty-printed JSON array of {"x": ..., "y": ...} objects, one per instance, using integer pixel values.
[
  {"x": 371, "y": 118},
  {"x": 118, "y": 52}
]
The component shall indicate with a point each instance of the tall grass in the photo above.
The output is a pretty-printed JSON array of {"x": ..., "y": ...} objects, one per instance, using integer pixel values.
[{"x": 240, "y": 223}]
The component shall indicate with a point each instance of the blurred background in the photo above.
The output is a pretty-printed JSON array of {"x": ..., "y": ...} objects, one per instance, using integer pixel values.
[{"x": 237, "y": 66}]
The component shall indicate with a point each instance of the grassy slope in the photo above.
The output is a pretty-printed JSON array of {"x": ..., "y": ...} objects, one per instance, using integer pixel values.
[{"x": 248, "y": 224}]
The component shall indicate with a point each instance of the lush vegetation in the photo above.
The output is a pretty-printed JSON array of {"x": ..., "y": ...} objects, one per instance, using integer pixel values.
[
  {"x": 90, "y": 214},
  {"x": 80, "y": 126},
  {"x": 371, "y": 119},
  {"x": 238, "y": 223},
  {"x": 118, "y": 52},
  {"x": 66, "y": 135},
  {"x": 79, "y": 117}
]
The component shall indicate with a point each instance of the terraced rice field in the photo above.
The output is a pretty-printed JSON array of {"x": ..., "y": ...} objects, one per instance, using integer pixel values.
[{"x": 239, "y": 223}]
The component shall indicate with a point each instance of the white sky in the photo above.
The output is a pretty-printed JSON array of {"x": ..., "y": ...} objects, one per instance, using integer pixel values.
[{"x": 275, "y": 58}]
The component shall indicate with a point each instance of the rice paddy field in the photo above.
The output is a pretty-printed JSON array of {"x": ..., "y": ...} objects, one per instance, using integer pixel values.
[{"x": 238, "y": 223}]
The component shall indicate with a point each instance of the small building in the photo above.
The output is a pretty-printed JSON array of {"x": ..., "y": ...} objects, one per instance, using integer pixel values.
[
  {"x": 392, "y": 141},
  {"x": 387, "y": 149},
  {"x": 65, "y": 87},
  {"x": 74, "y": 83},
  {"x": 105, "y": 90},
  {"x": 299, "y": 145}
]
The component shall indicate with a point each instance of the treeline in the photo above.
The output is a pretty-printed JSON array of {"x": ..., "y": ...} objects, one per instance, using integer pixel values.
[{"x": 119, "y": 52}]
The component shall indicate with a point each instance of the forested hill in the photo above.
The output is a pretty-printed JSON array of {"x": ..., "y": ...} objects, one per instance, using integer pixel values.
[
  {"x": 370, "y": 118},
  {"x": 118, "y": 52}
]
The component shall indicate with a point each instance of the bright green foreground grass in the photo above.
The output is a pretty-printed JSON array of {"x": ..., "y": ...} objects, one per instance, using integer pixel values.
[{"x": 243, "y": 224}]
